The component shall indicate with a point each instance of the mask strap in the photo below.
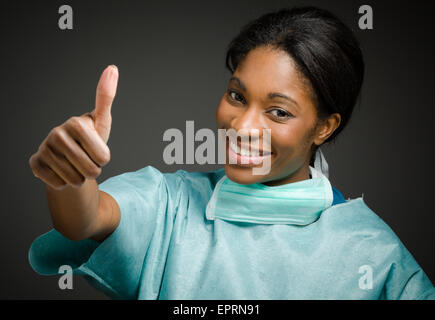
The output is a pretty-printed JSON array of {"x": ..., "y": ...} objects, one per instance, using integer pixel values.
[{"x": 320, "y": 163}]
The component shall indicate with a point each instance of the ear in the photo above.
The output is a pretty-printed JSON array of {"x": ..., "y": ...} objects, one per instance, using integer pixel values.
[{"x": 326, "y": 128}]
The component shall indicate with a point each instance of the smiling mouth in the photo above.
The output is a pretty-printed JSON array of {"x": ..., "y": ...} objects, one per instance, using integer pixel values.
[
  {"x": 245, "y": 155},
  {"x": 247, "y": 150}
]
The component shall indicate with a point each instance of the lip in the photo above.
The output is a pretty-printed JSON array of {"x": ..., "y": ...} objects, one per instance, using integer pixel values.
[
  {"x": 249, "y": 147},
  {"x": 260, "y": 152},
  {"x": 243, "y": 160}
]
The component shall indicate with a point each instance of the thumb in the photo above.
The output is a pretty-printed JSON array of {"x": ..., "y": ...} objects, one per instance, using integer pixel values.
[{"x": 106, "y": 91}]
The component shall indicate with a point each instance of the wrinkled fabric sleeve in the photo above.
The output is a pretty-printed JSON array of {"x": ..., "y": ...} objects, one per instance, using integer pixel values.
[
  {"x": 418, "y": 287},
  {"x": 406, "y": 279},
  {"x": 115, "y": 265},
  {"x": 414, "y": 283}
]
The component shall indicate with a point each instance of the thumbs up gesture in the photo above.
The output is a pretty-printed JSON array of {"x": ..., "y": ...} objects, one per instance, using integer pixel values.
[{"x": 77, "y": 149}]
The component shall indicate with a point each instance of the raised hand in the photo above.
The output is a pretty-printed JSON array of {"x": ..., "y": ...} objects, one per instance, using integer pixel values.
[{"x": 77, "y": 149}]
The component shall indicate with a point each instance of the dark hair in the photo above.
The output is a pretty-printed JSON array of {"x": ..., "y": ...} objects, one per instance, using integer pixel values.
[{"x": 324, "y": 49}]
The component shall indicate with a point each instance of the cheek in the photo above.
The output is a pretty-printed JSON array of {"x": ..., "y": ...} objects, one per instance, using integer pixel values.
[
  {"x": 292, "y": 140},
  {"x": 285, "y": 138}
]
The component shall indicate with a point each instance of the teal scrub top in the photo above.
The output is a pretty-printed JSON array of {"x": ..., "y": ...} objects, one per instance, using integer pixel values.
[{"x": 165, "y": 248}]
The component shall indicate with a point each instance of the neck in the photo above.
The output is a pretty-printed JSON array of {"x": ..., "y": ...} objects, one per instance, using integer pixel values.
[{"x": 303, "y": 173}]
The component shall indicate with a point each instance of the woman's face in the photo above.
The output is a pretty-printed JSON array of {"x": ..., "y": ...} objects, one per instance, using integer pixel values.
[{"x": 267, "y": 92}]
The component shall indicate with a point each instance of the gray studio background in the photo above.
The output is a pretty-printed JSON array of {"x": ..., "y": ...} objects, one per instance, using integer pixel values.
[{"x": 170, "y": 56}]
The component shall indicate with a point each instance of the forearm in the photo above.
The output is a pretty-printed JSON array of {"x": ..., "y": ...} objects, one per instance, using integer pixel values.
[
  {"x": 74, "y": 211},
  {"x": 69, "y": 160}
]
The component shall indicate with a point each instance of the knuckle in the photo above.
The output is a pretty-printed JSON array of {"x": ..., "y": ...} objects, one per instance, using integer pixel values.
[
  {"x": 104, "y": 157},
  {"x": 56, "y": 130},
  {"x": 96, "y": 171},
  {"x": 44, "y": 151},
  {"x": 32, "y": 161},
  {"x": 101, "y": 157},
  {"x": 76, "y": 124},
  {"x": 74, "y": 120},
  {"x": 57, "y": 135},
  {"x": 93, "y": 172},
  {"x": 34, "y": 166}
]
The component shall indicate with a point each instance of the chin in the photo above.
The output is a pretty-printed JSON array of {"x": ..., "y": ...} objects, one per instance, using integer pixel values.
[{"x": 242, "y": 175}]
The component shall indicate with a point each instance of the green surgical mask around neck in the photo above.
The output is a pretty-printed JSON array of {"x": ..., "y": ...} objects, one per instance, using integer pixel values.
[{"x": 298, "y": 203}]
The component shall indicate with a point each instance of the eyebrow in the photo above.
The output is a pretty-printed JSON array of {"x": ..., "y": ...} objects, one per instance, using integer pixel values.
[
  {"x": 271, "y": 95},
  {"x": 238, "y": 82},
  {"x": 283, "y": 96}
]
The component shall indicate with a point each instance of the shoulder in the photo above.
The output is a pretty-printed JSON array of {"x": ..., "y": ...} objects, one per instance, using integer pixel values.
[
  {"x": 194, "y": 180},
  {"x": 150, "y": 175},
  {"x": 357, "y": 218},
  {"x": 138, "y": 179},
  {"x": 151, "y": 180},
  {"x": 361, "y": 235},
  {"x": 191, "y": 189},
  {"x": 359, "y": 228}
]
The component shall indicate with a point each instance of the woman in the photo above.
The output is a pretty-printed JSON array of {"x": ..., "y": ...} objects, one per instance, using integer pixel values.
[{"x": 232, "y": 233}]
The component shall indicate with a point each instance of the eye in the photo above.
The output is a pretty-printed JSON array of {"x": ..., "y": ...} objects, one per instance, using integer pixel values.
[
  {"x": 236, "y": 96},
  {"x": 280, "y": 114}
]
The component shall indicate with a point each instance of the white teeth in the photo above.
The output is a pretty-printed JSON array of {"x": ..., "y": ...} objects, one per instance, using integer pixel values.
[
  {"x": 235, "y": 147},
  {"x": 243, "y": 151}
]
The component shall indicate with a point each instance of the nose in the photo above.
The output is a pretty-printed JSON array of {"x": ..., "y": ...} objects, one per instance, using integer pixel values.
[{"x": 249, "y": 122}]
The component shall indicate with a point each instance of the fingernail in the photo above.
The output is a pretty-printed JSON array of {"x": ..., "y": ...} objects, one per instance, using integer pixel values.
[{"x": 114, "y": 67}]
